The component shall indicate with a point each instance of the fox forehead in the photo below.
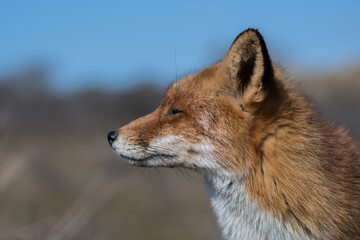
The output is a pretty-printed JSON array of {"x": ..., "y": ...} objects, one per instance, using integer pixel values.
[{"x": 200, "y": 85}]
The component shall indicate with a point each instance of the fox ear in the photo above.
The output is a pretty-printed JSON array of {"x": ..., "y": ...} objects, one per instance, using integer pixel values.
[{"x": 248, "y": 66}]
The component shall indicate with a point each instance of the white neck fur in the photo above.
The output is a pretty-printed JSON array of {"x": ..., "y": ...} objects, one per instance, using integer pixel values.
[{"x": 240, "y": 217}]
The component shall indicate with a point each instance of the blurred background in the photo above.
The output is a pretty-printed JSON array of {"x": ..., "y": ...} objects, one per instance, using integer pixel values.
[{"x": 70, "y": 71}]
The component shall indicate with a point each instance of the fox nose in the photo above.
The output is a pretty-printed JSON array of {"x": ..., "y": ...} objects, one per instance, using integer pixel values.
[{"x": 112, "y": 136}]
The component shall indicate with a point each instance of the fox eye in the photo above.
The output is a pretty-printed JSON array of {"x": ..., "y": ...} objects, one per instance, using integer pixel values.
[{"x": 172, "y": 112}]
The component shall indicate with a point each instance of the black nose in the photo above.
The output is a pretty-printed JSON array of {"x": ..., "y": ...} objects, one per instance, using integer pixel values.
[{"x": 112, "y": 136}]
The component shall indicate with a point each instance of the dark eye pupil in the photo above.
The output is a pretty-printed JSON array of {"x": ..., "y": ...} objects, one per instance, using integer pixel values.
[{"x": 172, "y": 112}]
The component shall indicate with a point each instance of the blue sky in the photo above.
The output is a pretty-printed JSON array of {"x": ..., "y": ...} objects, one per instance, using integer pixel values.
[{"x": 114, "y": 43}]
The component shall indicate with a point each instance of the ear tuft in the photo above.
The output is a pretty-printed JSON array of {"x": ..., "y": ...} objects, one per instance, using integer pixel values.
[{"x": 249, "y": 66}]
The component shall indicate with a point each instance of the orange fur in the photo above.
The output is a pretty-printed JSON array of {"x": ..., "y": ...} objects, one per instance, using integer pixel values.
[{"x": 297, "y": 167}]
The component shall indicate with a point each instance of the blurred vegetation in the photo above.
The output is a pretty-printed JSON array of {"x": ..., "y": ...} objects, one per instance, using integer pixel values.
[{"x": 59, "y": 179}]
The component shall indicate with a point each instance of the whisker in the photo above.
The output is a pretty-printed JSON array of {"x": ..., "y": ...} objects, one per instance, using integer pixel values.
[
  {"x": 186, "y": 174},
  {"x": 182, "y": 176}
]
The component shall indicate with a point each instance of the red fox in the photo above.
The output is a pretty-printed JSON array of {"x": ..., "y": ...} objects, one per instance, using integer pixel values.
[{"x": 273, "y": 167}]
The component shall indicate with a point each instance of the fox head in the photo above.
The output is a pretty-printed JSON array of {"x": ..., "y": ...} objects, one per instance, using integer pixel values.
[{"x": 207, "y": 120}]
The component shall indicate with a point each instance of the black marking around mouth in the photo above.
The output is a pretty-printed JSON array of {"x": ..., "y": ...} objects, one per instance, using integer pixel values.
[{"x": 140, "y": 160}]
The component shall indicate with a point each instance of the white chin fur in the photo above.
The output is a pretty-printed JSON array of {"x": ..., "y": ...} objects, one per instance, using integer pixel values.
[
  {"x": 160, "y": 152},
  {"x": 167, "y": 151},
  {"x": 123, "y": 148}
]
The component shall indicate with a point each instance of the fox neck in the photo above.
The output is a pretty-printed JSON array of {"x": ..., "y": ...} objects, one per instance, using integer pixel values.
[{"x": 239, "y": 216}]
